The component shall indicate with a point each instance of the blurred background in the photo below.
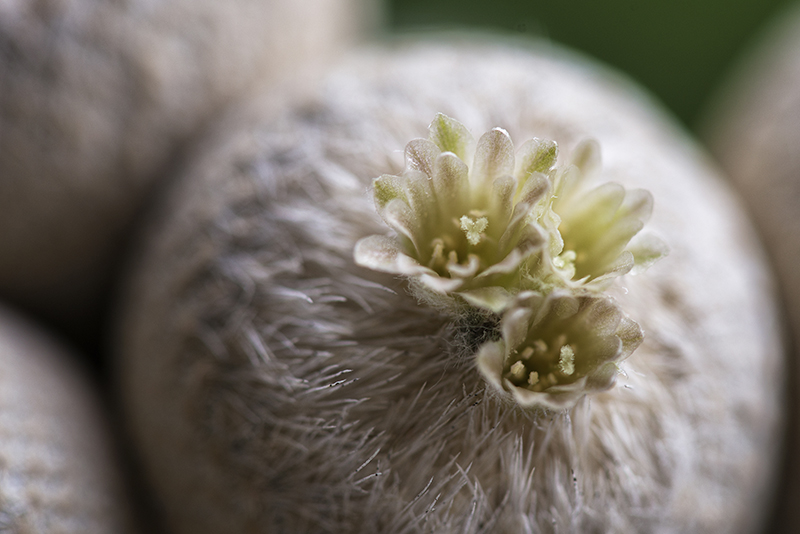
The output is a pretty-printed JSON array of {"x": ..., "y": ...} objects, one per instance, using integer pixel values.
[{"x": 679, "y": 49}]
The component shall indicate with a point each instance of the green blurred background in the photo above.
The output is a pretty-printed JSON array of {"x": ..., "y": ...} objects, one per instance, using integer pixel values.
[{"x": 681, "y": 49}]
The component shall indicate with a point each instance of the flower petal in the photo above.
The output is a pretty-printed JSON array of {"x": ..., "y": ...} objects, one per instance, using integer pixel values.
[
  {"x": 630, "y": 334},
  {"x": 560, "y": 304},
  {"x": 501, "y": 204},
  {"x": 402, "y": 220},
  {"x": 596, "y": 209},
  {"x": 439, "y": 284},
  {"x": 386, "y": 188},
  {"x": 616, "y": 237},
  {"x": 536, "y": 155},
  {"x": 492, "y": 298},
  {"x": 604, "y": 316},
  {"x": 489, "y": 361},
  {"x": 382, "y": 253},
  {"x": 603, "y": 378},
  {"x": 586, "y": 156},
  {"x": 638, "y": 204},
  {"x": 646, "y": 249},
  {"x": 621, "y": 265},
  {"x": 420, "y": 155},
  {"x": 451, "y": 184},
  {"x": 515, "y": 326},
  {"x": 554, "y": 398},
  {"x": 567, "y": 184},
  {"x": 532, "y": 191},
  {"x": 525, "y": 211},
  {"x": 521, "y": 229},
  {"x": 421, "y": 199},
  {"x": 411, "y": 267},
  {"x": 529, "y": 299},
  {"x": 600, "y": 351},
  {"x": 494, "y": 157},
  {"x": 510, "y": 263},
  {"x": 465, "y": 271},
  {"x": 450, "y": 135}
]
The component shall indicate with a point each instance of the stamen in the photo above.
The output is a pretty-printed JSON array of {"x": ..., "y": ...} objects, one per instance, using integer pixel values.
[
  {"x": 473, "y": 228},
  {"x": 452, "y": 258},
  {"x": 566, "y": 360},
  {"x": 518, "y": 371},
  {"x": 437, "y": 257},
  {"x": 565, "y": 259}
]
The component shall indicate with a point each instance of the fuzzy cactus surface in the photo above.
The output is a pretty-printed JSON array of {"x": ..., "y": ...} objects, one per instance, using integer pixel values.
[{"x": 274, "y": 384}]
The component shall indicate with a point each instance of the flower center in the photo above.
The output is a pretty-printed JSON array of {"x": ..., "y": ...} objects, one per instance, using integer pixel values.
[
  {"x": 538, "y": 366},
  {"x": 454, "y": 247}
]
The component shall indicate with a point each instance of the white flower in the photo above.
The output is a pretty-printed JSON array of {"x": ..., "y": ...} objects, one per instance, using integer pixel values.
[{"x": 557, "y": 348}]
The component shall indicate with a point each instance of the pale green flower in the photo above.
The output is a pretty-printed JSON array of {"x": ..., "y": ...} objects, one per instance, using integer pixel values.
[
  {"x": 462, "y": 231},
  {"x": 482, "y": 234},
  {"x": 593, "y": 240},
  {"x": 557, "y": 348}
]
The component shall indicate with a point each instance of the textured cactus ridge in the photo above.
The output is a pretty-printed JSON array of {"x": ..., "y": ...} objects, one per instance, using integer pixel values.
[{"x": 521, "y": 238}]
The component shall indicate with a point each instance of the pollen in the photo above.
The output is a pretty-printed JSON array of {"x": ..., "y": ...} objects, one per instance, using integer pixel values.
[
  {"x": 566, "y": 360},
  {"x": 473, "y": 228}
]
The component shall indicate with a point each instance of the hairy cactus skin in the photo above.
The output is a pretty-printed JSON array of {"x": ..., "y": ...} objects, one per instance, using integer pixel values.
[
  {"x": 753, "y": 129},
  {"x": 98, "y": 100},
  {"x": 273, "y": 385},
  {"x": 59, "y": 471}
]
